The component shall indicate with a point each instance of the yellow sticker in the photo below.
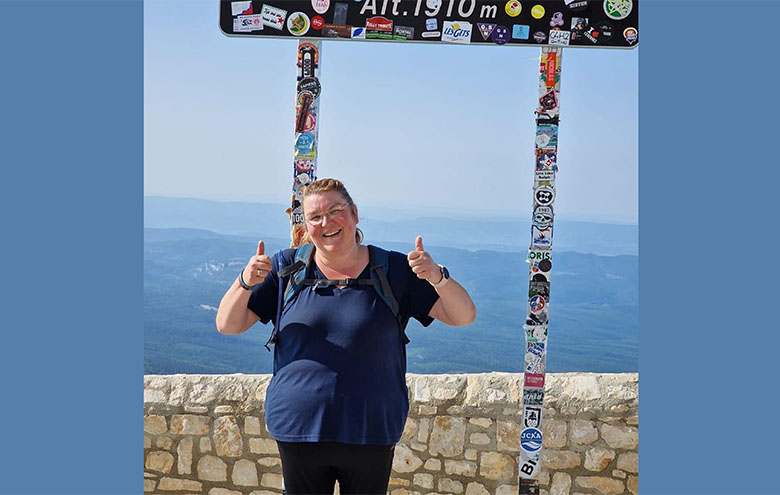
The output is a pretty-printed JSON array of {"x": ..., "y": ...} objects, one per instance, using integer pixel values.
[
  {"x": 513, "y": 8},
  {"x": 537, "y": 11}
]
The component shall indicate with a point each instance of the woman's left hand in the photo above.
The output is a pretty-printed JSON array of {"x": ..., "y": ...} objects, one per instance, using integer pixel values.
[{"x": 422, "y": 263}]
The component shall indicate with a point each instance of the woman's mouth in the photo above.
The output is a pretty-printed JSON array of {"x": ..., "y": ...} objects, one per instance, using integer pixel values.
[{"x": 332, "y": 233}]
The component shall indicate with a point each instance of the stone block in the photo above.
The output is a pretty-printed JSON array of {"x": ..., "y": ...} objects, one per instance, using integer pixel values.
[
  {"x": 164, "y": 443},
  {"x": 149, "y": 485},
  {"x": 252, "y": 426},
  {"x": 272, "y": 480},
  {"x": 424, "y": 480},
  {"x": 633, "y": 484},
  {"x": 497, "y": 466},
  {"x": 620, "y": 437},
  {"x": 475, "y": 488},
  {"x": 617, "y": 473},
  {"x": 507, "y": 436},
  {"x": 426, "y": 410},
  {"x": 270, "y": 461},
  {"x": 223, "y": 410},
  {"x": 507, "y": 490},
  {"x": 451, "y": 486},
  {"x": 173, "y": 484},
  {"x": 263, "y": 446},
  {"x": 448, "y": 436},
  {"x": 189, "y": 424},
  {"x": 561, "y": 484},
  {"x": 244, "y": 473},
  {"x": 628, "y": 461},
  {"x": 481, "y": 422},
  {"x": 204, "y": 444},
  {"x": 212, "y": 468},
  {"x": 184, "y": 456},
  {"x": 227, "y": 437},
  {"x": 598, "y": 458},
  {"x": 470, "y": 454},
  {"x": 433, "y": 465},
  {"x": 560, "y": 459},
  {"x": 423, "y": 426},
  {"x": 583, "y": 432},
  {"x": 601, "y": 484},
  {"x": 554, "y": 434},
  {"x": 223, "y": 491},
  {"x": 147, "y": 442},
  {"x": 463, "y": 468},
  {"x": 410, "y": 430},
  {"x": 405, "y": 461},
  {"x": 398, "y": 482},
  {"x": 155, "y": 424},
  {"x": 159, "y": 460}
]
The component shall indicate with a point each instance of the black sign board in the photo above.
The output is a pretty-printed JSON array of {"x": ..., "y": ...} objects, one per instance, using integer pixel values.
[{"x": 577, "y": 23}]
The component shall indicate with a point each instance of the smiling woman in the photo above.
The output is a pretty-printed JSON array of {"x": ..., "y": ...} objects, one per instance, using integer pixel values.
[{"x": 339, "y": 310}]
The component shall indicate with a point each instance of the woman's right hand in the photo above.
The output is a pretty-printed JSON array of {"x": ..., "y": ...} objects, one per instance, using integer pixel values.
[{"x": 258, "y": 267}]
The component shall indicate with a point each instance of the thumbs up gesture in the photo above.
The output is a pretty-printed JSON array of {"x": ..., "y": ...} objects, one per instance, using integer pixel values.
[
  {"x": 422, "y": 264},
  {"x": 258, "y": 267}
]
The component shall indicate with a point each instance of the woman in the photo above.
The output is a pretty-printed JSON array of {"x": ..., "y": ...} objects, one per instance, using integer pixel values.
[{"x": 338, "y": 401}]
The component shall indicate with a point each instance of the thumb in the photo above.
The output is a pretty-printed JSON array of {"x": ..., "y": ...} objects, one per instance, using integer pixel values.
[
  {"x": 260, "y": 248},
  {"x": 418, "y": 243}
]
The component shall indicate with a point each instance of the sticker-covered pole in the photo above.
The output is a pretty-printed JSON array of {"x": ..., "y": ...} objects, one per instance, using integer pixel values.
[
  {"x": 540, "y": 260},
  {"x": 306, "y": 127}
]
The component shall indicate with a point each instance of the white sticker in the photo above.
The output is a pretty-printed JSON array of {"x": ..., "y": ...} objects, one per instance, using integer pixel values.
[
  {"x": 320, "y": 6},
  {"x": 431, "y": 24},
  {"x": 456, "y": 32},
  {"x": 273, "y": 17},
  {"x": 239, "y": 8},
  {"x": 247, "y": 23},
  {"x": 431, "y": 34},
  {"x": 559, "y": 38},
  {"x": 298, "y": 23}
]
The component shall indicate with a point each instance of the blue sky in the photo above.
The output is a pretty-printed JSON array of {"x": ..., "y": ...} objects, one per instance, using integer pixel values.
[{"x": 433, "y": 128}]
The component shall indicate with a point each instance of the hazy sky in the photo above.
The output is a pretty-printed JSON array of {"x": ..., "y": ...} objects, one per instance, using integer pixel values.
[{"x": 435, "y": 127}]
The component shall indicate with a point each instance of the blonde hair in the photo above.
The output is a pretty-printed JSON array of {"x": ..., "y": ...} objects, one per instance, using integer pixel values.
[{"x": 324, "y": 185}]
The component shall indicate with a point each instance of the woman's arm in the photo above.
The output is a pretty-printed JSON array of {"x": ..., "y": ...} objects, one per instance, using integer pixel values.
[{"x": 233, "y": 315}]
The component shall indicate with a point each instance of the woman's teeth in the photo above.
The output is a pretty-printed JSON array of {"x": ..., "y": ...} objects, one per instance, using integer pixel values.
[{"x": 332, "y": 234}]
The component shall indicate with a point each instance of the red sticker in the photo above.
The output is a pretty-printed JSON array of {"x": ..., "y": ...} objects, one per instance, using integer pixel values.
[
  {"x": 534, "y": 380},
  {"x": 317, "y": 22},
  {"x": 550, "y": 69}
]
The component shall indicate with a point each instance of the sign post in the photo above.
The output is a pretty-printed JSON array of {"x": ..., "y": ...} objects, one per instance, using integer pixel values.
[{"x": 549, "y": 24}]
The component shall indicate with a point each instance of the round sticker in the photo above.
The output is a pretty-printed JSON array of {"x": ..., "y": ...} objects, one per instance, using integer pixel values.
[
  {"x": 618, "y": 9},
  {"x": 320, "y": 6},
  {"x": 304, "y": 143},
  {"x": 513, "y": 8},
  {"x": 543, "y": 217},
  {"x": 298, "y": 23},
  {"x": 545, "y": 265},
  {"x": 542, "y": 140},
  {"x": 556, "y": 19},
  {"x": 540, "y": 36},
  {"x": 500, "y": 35},
  {"x": 310, "y": 85},
  {"x": 630, "y": 35},
  {"x": 303, "y": 166},
  {"x": 537, "y": 12},
  {"x": 537, "y": 304},
  {"x": 317, "y": 22},
  {"x": 544, "y": 196}
]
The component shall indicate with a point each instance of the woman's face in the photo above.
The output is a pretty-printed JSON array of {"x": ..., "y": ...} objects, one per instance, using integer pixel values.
[{"x": 330, "y": 221}]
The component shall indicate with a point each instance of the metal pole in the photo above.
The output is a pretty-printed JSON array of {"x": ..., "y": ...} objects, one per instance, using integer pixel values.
[
  {"x": 307, "y": 106},
  {"x": 540, "y": 259}
]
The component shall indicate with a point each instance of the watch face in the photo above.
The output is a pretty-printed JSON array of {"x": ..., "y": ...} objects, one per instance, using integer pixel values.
[{"x": 445, "y": 272}]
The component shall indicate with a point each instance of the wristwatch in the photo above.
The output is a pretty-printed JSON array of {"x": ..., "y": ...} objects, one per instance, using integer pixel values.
[{"x": 445, "y": 277}]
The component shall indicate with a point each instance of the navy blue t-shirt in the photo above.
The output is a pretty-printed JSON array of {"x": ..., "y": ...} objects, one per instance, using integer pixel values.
[{"x": 340, "y": 359}]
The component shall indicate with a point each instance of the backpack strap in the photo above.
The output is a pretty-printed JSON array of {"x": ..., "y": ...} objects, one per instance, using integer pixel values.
[
  {"x": 297, "y": 273},
  {"x": 379, "y": 262}
]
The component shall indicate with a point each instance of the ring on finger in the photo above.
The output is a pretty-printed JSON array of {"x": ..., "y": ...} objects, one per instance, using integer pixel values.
[{"x": 259, "y": 272}]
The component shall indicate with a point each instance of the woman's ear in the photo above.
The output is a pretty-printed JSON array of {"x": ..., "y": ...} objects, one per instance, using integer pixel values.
[{"x": 355, "y": 213}]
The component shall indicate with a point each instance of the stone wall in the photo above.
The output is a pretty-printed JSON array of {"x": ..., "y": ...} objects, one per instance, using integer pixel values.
[{"x": 205, "y": 434}]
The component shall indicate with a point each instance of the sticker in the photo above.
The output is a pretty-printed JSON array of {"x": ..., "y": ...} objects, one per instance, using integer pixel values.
[
  {"x": 540, "y": 36},
  {"x": 533, "y": 396},
  {"x": 537, "y": 304},
  {"x": 431, "y": 24},
  {"x": 500, "y": 35},
  {"x": 535, "y": 333},
  {"x": 528, "y": 486},
  {"x": 403, "y": 33},
  {"x": 298, "y": 23},
  {"x": 520, "y": 31},
  {"x": 310, "y": 122},
  {"x": 544, "y": 175},
  {"x": 537, "y": 11},
  {"x": 618, "y": 9},
  {"x": 578, "y": 27},
  {"x": 305, "y": 146},
  {"x": 546, "y": 135},
  {"x": 556, "y": 19},
  {"x": 539, "y": 255},
  {"x": 320, "y": 6},
  {"x": 317, "y": 22},
  {"x": 431, "y": 34},
  {"x": 308, "y": 56},
  {"x": 531, "y": 439},
  {"x": 534, "y": 380},
  {"x": 338, "y": 31},
  {"x": 379, "y": 27},
  {"x": 532, "y": 417},
  {"x": 630, "y": 35},
  {"x": 602, "y": 32},
  {"x": 248, "y": 23},
  {"x": 485, "y": 29},
  {"x": 541, "y": 266},
  {"x": 534, "y": 364},
  {"x": 559, "y": 38},
  {"x": 539, "y": 288},
  {"x": 543, "y": 217},
  {"x": 544, "y": 195},
  {"x": 536, "y": 320},
  {"x": 549, "y": 71},
  {"x": 358, "y": 32},
  {"x": 273, "y": 17},
  {"x": 304, "y": 166},
  {"x": 576, "y": 4},
  {"x": 309, "y": 85},
  {"x": 431, "y": 4},
  {"x": 340, "y": 13},
  {"x": 549, "y": 100},
  {"x": 241, "y": 8},
  {"x": 513, "y": 8},
  {"x": 456, "y": 32},
  {"x": 541, "y": 238},
  {"x": 546, "y": 160}
]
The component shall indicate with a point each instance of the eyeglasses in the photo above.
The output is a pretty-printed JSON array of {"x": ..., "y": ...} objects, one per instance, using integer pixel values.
[{"x": 334, "y": 211}]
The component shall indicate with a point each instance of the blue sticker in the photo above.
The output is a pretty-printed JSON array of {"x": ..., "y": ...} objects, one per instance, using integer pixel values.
[
  {"x": 520, "y": 31},
  {"x": 500, "y": 35},
  {"x": 531, "y": 439},
  {"x": 304, "y": 144}
]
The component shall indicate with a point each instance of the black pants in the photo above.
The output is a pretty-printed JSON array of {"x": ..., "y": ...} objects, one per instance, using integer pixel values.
[{"x": 312, "y": 468}]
